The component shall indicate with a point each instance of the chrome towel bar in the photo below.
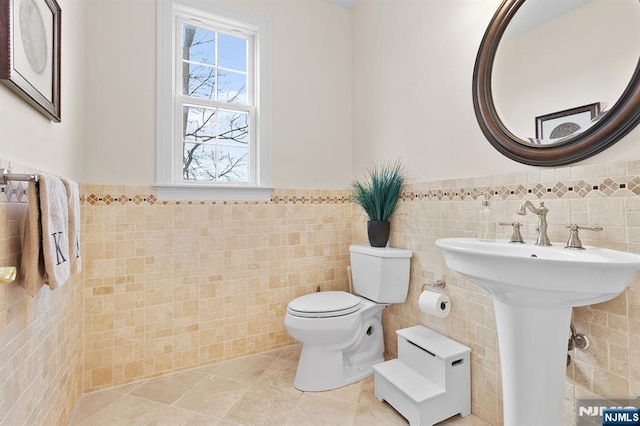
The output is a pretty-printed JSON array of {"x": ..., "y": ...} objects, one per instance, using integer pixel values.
[{"x": 6, "y": 176}]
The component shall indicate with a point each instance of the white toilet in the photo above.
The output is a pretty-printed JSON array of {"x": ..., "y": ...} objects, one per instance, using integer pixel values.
[{"x": 341, "y": 333}]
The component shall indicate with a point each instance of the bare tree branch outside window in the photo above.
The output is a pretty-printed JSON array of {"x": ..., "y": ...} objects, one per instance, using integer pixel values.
[{"x": 215, "y": 140}]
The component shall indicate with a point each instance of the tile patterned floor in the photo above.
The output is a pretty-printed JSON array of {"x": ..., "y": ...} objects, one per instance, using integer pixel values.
[{"x": 256, "y": 390}]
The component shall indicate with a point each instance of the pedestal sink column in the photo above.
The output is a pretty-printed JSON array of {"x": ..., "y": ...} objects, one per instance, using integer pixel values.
[
  {"x": 533, "y": 354},
  {"x": 534, "y": 289}
]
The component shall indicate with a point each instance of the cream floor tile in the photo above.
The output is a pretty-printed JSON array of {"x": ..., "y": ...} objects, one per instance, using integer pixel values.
[
  {"x": 213, "y": 396},
  {"x": 464, "y": 421},
  {"x": 126, "y": 388},
  {"x": 207, "y": 369},
  {"x": 318, "y": 409},
  {"x": 131, "y": 410},
  {"x": 275, "y": 353},
  {"x": 264, "y": 406},
  {"x": 280, "y": 374},
  {"x": 291, "y": 352},
  {"x": 367, "y": 394},
  {"x": 167, "y": 389},
  {"x": 244, "y": 369},
  {"x": 92, "y": 403},
  {"x": 255, "y": 390},
  {"x": 349, "y": 393},
  {"x": 379, "y": 414}
]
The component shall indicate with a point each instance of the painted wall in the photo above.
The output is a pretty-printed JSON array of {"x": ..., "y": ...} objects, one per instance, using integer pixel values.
[
  {"x": 41, "y": 336},
  {"x": 310, "y": 85},
  {"x": 405, "y": 104},
  {"x": 107, "y": 136},
  {"x": 413, "y": 66},
  {"x": 28, "y": 137}
]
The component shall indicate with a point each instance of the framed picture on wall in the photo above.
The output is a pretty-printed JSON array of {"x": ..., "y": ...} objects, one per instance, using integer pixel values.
[
  {"x": 30, "y": 36},
  {"x": 561, "y": 124}
]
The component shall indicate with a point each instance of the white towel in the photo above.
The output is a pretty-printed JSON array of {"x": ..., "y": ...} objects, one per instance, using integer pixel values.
[
  {"x": 32, "y": 262},
  {"x": 73, "y": 201},
  {"x": 54, "y": 217}
]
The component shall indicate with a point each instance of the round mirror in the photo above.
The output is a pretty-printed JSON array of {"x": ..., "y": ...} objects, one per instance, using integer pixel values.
[{"x": 555, "y": 81}]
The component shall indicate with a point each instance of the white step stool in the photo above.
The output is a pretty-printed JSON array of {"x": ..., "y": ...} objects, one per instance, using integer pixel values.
[{"x": 429, "y": 381}]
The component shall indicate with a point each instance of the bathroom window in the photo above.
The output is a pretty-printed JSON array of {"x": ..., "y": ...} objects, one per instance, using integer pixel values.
[{"x": 212, "y": 120}]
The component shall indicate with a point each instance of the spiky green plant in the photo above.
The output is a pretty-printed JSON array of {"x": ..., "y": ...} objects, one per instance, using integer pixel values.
[{"x": 379, "y": 193}]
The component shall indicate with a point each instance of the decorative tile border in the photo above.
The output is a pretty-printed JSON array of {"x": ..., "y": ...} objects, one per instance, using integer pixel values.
[
  {"x": 107, "y": 199},
  {"x": 609, "y": 187},
  {"x": 13, "y": 192},
  {"x": 17, "y": 193},
  {"x": 627, "y": 186}
]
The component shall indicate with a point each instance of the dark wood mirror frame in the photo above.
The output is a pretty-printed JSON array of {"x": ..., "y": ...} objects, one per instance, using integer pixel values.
[{"x": 619, "y": 120}]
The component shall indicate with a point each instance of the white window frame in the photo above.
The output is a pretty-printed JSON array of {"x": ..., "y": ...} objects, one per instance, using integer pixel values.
[{"x": 170, "y": 184}]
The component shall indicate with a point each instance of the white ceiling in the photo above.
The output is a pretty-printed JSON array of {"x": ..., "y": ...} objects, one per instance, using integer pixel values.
[{"x": 345, "y": 3}]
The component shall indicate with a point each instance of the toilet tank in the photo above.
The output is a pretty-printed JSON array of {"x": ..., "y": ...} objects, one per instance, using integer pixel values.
[{"x": 380, "y": 274}]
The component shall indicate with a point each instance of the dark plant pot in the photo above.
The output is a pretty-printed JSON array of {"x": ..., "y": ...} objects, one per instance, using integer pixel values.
[{"x": 378, "y": 232}]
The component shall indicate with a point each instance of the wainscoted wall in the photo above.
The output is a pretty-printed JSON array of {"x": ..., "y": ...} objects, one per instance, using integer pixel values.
[
  {"x": 607, "y": 195},
  {"x": 40, "y": 336},
  {"x": 173, "y": 285}
]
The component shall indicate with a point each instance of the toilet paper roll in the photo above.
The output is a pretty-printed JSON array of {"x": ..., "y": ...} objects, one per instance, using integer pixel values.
[{"x": 435, "y": 303}]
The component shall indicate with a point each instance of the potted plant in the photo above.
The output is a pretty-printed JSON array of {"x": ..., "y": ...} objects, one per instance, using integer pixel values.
[{"x": 378, "y": 195}]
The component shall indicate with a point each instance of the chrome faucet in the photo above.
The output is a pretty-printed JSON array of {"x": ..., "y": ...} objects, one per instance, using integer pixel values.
[{"x": 543, "y": 239}]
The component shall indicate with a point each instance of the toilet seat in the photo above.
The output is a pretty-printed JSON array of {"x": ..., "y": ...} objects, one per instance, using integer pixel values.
[{"x": 324, "y": 304}]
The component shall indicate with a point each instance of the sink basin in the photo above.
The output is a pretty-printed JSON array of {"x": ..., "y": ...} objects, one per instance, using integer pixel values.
[
  {"x": 529, "y": 275},
  {"x": 534, "y": 290}
]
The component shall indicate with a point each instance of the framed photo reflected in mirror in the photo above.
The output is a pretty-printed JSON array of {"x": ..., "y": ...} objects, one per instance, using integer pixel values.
[{"x": 550, "y": 128}]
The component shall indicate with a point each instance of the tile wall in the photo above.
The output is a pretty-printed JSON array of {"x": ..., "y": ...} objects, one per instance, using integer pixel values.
[
  {"x": 40, "y": 336},
  {"x": 173, "y": 285},
  {"x": 606, "y": 195}
]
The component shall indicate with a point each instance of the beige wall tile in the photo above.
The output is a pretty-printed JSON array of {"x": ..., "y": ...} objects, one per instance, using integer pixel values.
[
  {"x": 607, "y": 367},
  {"x": 41, "y": 337},
  {"x": 194, "y": 283},
  {"x": 608, "y": 384},
  {"x": 170, "y": 286}
]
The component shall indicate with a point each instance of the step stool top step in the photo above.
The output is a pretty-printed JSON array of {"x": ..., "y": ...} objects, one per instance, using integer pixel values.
[
  {"x": 408, "y": 381},
  {"x": 439, "y": 345}
]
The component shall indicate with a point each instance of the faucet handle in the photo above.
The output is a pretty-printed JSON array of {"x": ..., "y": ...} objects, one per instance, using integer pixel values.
[
  {"x": 516, "y": 236},
  {"x": 574, "y": 240}
]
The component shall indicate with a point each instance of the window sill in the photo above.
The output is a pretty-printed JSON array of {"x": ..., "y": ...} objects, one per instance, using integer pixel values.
[{"x": 193, "y": 192}]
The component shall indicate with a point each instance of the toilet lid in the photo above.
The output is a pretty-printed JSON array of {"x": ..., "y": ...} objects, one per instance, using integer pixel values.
[{"x": 324, "y": 304}]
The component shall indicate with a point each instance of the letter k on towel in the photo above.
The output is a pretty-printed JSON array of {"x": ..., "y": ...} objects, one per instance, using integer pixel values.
[{"x": 54, "y": 216}]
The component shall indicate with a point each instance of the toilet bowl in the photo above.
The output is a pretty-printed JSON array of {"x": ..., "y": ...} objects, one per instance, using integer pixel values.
[
  {"x": 338, "y": 347},
  {"x": 341, "y": 333}
]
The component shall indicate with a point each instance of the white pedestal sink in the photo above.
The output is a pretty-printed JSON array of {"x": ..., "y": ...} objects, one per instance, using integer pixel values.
[{"x": 534, "y": 290}]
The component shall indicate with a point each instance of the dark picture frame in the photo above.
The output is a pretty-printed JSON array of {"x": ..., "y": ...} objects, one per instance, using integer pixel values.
[
  {"x": 565, "y": 123},
  {"x": 30, "y": 39}
]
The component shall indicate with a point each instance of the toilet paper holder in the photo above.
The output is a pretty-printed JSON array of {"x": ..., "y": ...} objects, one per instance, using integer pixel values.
[{"x": 436, "y": 284}]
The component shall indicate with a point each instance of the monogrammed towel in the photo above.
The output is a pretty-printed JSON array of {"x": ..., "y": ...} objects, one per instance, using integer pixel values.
[
  {"x": 32, "y": 262},
  {"x": 73, "y": 201},
  {"x": 54, "y": 217}
]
